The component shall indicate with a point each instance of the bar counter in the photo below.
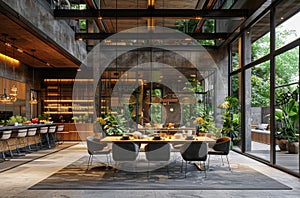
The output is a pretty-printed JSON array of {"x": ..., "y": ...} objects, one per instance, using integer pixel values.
[
  {"x": 11, "y": 142},
  {"x": 13, "y": 128}
]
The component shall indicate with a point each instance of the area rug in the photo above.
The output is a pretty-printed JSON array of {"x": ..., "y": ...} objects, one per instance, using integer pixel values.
[{"x": 77, "y": 177}]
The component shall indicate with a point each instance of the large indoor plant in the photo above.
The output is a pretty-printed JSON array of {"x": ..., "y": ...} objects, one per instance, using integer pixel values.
[
  {"x": 288, "y": 115},
  {"x": 231, "y": 118}
]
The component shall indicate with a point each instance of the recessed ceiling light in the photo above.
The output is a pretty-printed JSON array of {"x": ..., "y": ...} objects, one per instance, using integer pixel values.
[{"x": 20, "y": 50}]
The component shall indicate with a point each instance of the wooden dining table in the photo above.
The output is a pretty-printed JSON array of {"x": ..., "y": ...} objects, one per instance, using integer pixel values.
[
  {"x": 145, "y": 140},
  {"x": 168, "y": 139}
]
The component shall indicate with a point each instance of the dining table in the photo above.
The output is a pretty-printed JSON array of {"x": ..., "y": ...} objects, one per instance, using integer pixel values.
[
  {"x": 146, "y": 140},
  {"x": 168, "y": 139}
]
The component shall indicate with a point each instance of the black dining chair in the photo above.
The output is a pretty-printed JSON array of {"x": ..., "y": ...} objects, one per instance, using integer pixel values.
[
  {"x": 221, "y": 148},
  {"x": 94, "y": 147},
  {"x": 194, "y": 151},
  {"x": 124, "y": 152},
  {"x": 158, "y": 152}
]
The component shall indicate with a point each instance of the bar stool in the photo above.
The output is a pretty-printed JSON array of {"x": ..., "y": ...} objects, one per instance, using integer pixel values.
[
  {"x": 21, "y": 137},
  {"x": 52, "y": 132},
  {"x": 32, "y": 133},
  {"x": 60, "y": 132},
  {"x": 44, "y": 130},
  {"x": 4, "y": 138}
]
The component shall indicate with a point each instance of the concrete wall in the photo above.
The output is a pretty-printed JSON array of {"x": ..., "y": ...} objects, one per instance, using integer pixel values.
[{"x": 58, "y": 30}]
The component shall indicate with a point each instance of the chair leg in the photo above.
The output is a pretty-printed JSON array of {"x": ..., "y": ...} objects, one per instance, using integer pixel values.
[
  {"x": 92, "y": 160},
  {"x": 208, "y": 162},
  {"x": 48, "y": 140},
  {"x": 228, "y": 163},
  {"x": 36, "y": 146},
  {"x": 168, "y": 170},
  {"x": 222, "y": 160},
  {"x": 88, "y": 162},
  {"x": 11, "y": 154},
  {"x": 148, "y": 174},
  {"x": 28, "y": 145},
  {"x": 17, "y": 146},
  {"x": 181, "y": 168},
  {"x": 204, "y": 169},
  {"x": 185, "y": 169},
  {"x": 3, "y": 150},
  {"x": 3, "y": 155}
]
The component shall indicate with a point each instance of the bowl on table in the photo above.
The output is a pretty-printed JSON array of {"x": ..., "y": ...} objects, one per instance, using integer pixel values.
[{"x": 125, "y": 137}]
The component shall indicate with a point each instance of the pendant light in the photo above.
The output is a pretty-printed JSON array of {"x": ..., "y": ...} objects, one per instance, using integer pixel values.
[
  {"x": 4, "y": 98},
  {"x": 33, "y": 99},
  {"x": 13, "y": 89}
]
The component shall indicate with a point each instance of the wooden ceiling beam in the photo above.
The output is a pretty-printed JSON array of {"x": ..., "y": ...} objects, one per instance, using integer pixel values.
[
  {"x": 207, "y": 5},
  {"x": 100, "y": 23}
]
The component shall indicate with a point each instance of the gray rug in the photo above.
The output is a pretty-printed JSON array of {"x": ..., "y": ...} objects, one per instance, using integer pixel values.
[{"x": 77, "y": 177}]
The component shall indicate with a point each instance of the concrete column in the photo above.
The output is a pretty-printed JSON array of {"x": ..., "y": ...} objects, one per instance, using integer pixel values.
[{"x": 246, "y": 45}]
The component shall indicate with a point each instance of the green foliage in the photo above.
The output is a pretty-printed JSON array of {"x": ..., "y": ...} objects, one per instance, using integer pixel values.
[
  {"x": 231, "y": 117},
  {"x": 112, "y": 126},
  {"x": 189, "y": 25},
  {"x": 186, "y": 25},
  {"x": 288, "y": 115},
  {"x": 286, "y": 66},
  {"x": 17, "y": 118},
  {"x": 198, "y": 109},
  {"x": 156, "y": 109}
]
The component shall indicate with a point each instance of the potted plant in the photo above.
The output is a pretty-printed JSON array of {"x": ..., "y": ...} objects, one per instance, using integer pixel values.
[
  {"x": 287, "y": 114},
  {"x": 206, "y": 125},
  {"x": 112, "y": 126},
  {"x": 75, "y": 118},
  {"x": 231, "y": 119}
]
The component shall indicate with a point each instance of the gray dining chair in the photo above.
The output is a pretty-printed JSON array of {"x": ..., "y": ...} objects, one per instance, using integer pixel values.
[
  {"x": 124, "y": 152},
  {"x": 94, "y": 147},
  {"x": 194, "y": 151},
  {"x": 158, "y": 152}
]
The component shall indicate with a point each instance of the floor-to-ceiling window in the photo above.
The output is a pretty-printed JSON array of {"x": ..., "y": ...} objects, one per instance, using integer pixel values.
[{"x": 268, "y": 61}]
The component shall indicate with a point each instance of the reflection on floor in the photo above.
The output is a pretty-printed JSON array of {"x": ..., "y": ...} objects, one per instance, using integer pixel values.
[{"x": 289, "y": 161}]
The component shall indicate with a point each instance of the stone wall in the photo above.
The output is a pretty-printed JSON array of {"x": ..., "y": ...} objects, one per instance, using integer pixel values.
[{"x": 41, "y": 18}]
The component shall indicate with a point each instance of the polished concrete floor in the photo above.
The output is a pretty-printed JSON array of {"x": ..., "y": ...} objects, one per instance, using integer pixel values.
[{"x": 15, "y": 182}]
